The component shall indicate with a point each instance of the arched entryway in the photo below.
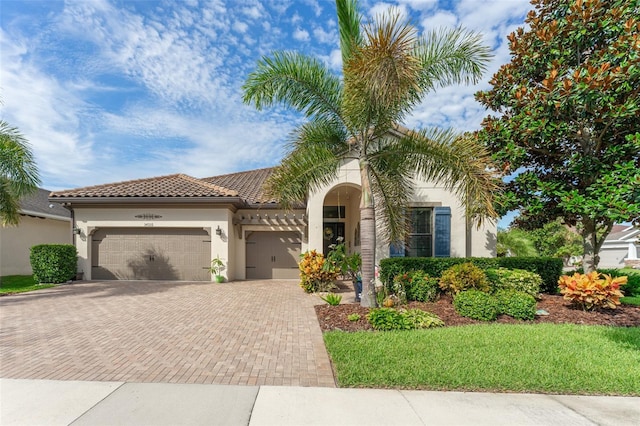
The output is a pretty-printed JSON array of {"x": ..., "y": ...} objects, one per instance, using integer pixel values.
[{"x": 341, "y": 217}]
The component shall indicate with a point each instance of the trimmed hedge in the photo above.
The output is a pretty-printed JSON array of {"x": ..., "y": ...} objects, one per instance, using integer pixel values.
[
  {"x": 548, "y": 268},
  {"x": 53, "y": 263}
]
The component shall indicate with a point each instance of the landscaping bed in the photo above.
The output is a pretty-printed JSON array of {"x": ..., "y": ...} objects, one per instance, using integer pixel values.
[{"x": 560, "y": 312}]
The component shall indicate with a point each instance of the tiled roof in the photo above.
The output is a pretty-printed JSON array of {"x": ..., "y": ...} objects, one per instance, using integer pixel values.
[
  {"x": 249, "y": 184},
  {"x": 171, "y": 186},
  {"x": 38, "y": 202}
]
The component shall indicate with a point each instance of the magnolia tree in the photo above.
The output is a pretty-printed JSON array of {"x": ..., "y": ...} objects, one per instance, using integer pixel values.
[{"x": 566, "y": 132}]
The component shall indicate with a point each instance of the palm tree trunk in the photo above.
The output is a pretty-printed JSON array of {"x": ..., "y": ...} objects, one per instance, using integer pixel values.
[{"x": 368, "y": 239}]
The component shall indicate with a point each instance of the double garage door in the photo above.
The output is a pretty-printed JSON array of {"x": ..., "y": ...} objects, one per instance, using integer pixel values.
[{"x": 151, "y": 254}]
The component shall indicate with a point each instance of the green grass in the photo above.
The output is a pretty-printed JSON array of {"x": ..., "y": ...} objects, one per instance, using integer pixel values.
[
  {"x": 19, "y": 284},
  {"x": 541, "y": 358},
  {"x": 631, "y": 300}
]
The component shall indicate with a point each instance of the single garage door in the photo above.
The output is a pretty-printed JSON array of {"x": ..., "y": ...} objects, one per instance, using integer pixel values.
[
  {"x": 273, "y": 255},
  {"x": 151, "y": 254}
]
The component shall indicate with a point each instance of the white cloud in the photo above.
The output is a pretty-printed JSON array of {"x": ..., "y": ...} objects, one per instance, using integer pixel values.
[
  {"x": 419, "y": 4},
  {"x": 240, "y": 27},
  {"x": 46, "y": 112},
  {"x": 296, "y": 18},
  {"x": 253, "y": 12},
  {"x": 380, "y": 9},
  {"x": 325, "y": 37},
  {"x": 439, "y": 20},
  {"x": 301, "y": 35}
]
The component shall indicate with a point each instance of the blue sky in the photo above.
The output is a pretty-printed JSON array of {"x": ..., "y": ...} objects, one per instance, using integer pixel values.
[{"x": 111, "y": 90}]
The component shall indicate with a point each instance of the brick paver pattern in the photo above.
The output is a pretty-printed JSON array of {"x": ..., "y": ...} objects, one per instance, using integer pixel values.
[{"x": 247, "y": 333}]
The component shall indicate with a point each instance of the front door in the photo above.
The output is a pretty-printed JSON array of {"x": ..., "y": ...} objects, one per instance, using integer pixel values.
[{"x": 330, "y": 233}]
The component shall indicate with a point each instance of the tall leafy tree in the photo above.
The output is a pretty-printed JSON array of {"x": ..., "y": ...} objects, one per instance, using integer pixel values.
[
  {"x": 18, "y": 172},
  {"x": 555, "y": 239},
  {"x": 387, "y": 70},
  {"x": 568, "y": 128},
  {"x": 515, "y": 242}
]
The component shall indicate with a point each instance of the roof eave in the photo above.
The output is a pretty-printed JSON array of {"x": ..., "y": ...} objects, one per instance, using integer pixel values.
[
  {"x": 44, "y": 215},
  {"x": 236, "y": 201}
]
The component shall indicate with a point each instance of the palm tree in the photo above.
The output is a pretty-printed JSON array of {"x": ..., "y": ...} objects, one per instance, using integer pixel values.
[
  {"x": 387, "y": 70},
  {"x": 18, "y": 172}
]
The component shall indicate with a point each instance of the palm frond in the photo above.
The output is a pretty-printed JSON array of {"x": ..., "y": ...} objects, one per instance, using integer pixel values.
[
  {"x": 349, "y": 27},
  {"x": 392, "y": 186},
  {"x": 9, "y": 207},
  {"x": 451, "y": 56},
  {"x": 297, "y": 81},
  {"x": 459, "y": 163},
  {"x": 18, "y": 172},
  {"x": 382, "y": 77},
  {"x": 316, "y": 151}
]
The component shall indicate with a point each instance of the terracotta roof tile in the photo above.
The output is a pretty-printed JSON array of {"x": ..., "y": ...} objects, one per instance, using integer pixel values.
[
  {"x": 177, "y": 185},
  {"x": 249, "y": 184}
]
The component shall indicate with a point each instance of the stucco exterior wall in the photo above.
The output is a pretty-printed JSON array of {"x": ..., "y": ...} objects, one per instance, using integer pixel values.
[
  {"x": 89, "y": 219},
  {"x": 16, "y": 241},
  {"x": 466, "y": 240}
]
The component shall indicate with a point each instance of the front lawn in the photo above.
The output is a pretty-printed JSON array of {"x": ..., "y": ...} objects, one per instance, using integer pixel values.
[
  {"x": 542, "y": 358},
  {"x": 19, "y": 284}
]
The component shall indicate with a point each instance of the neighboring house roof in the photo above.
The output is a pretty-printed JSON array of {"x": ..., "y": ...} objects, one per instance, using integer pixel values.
[
  {"x": 37, "y": 204},
  {"x": 171, "y": 186},
  {"x": 249, "y": 184},
  {"x": 620, "y": 233}
]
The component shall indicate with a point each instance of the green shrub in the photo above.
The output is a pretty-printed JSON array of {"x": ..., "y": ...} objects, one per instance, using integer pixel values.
[
  {"x": 385, "y": 319},
  {"x": 463, "y": 277},
  {"x": 516, "y": 304},
  {"x": 53, "y": 263},
  {"x": 476, "y": 304},
  {"x": 418, "y": 286},
  {"x": 418, "y": 318},
  {"x": 549, "y": 269},
  {"x": 514, "y": 279},
  {"x": 353, "y": 317},
  {"x": 332, "y": 299}
]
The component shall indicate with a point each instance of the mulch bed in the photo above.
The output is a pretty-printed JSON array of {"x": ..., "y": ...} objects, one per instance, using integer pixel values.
[{"x": 560, "y": 312}]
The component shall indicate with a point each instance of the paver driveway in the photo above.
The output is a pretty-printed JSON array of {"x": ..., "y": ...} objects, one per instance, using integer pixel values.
[{"x": 250, "y": 333}]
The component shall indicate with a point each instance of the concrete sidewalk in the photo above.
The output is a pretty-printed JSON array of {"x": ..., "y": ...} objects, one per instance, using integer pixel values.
[{"x": 48, "y": 402}]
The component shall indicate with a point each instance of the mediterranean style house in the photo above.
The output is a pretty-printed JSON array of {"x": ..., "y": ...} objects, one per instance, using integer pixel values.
[
  {"x": 170, "y": 227},
  {"x": 41, "y": 222}
]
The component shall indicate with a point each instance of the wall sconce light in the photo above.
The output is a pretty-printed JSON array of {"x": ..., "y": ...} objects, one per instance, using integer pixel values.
[
  {"x": 76, "y": 230},
  {"x": 218, "y": 230}
]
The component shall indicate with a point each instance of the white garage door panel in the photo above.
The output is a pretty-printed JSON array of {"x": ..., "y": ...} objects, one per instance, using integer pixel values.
[
  {"x": 151, "y": 254},
  {"x": 273, "y": 255}
]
